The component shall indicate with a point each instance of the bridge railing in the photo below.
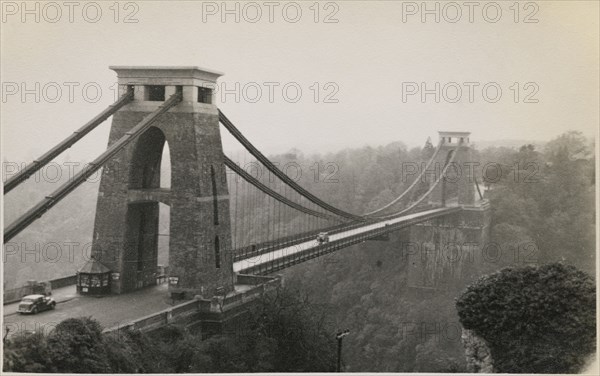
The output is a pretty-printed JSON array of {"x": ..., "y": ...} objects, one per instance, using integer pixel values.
[
  {"x": 185, "y": 309},
  {"x": 164, "y": 317},
  {"x": 251, "y": 279},
  {"x": 286, "y": 261},
  {"x": 266, "y": 247},
  {"x": 198, "y": 305},
  {"x": 261, "y": 284}
]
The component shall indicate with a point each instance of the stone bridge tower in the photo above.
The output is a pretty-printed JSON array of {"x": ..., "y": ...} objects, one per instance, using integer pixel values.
[
  {"x": 126, "y": 225},
  {"x": 457, "y": 186},
  {"x": 447, "y": 252}
]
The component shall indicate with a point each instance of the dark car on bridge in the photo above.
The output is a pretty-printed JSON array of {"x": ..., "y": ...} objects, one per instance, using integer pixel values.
[
  {"x": 36, "y": 303},
  {"x": 323, "y": 238}
]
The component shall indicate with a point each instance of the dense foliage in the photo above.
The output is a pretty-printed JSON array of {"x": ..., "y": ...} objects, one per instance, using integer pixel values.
[
  {"x": 75, "y": 345},
  {"x": 535, "y": 319},
  {"x": 543, "y": 202},
  {"x": 283, "y": 332},
  {"x": 394, "y": 327}
]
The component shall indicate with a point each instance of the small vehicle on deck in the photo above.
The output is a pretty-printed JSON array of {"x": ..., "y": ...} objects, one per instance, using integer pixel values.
[
  {"x": 36, "y": 303},
  {"x": 323, "y": 238}
]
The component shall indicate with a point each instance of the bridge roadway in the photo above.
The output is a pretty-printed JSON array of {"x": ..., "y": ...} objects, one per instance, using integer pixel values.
[
  {"x": 277, "y": 259},
  {"x": 110, "y": 310}
]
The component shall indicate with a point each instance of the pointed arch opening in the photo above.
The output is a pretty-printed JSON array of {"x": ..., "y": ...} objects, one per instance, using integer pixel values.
[
  {"x": 148, "y": 224},
  {"x": 165, "y": 167},
  {"x": 147, "y": 160}
]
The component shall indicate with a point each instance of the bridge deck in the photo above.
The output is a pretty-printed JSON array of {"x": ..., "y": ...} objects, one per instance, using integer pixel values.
[{"x": 286, "y": 256}]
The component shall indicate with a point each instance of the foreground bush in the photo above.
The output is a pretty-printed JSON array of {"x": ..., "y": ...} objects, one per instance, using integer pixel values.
[{"x": 534, "y": 319}]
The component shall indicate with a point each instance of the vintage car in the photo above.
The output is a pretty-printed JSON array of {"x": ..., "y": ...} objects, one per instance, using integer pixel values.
[
  {"x": 36, "y": 303},
  {"x": 323, "y": 237}
]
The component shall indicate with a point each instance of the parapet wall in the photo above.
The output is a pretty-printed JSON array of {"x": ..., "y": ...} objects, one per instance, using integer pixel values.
[
  {"x": 15, "y": 295},
  {"x": 218, "y": 309}
]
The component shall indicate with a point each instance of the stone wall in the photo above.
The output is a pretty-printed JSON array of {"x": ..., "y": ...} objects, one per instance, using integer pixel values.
[
  {"x": 477, "y": 353},
  {"x": 446, "y": 253},
  {"x": 15, "y": 295},
  {"x": 198, "y": 234}
]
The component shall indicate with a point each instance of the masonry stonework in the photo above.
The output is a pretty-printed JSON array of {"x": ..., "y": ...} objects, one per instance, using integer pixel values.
[
  {"x": 458, "y": 183},
  {"x": 126, "y": 225},
  {"x": 447, "y": 252}
]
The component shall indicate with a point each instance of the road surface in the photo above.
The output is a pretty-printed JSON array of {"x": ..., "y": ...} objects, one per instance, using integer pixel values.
[
  {"x": 300, "y": 247},
  {"x": 109, "y": 310}
]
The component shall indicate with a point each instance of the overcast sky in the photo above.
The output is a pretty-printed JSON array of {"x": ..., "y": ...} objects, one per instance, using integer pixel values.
[{"x": 367, "y": 57}]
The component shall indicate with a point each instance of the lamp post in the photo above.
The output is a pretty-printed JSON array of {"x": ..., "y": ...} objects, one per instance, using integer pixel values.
[{"x": 339, "y": 338}]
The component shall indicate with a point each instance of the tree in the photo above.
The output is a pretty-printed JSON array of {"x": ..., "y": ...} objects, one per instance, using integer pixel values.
[
  {"x": 296, "y": 332},
  {"x": 535, "y": 319},
  {"x": 548, "y": 196},
  {"x": 571, "y": 145},
  {"x": 75, "y": 346},
  {"x": 26, "y": 353}
]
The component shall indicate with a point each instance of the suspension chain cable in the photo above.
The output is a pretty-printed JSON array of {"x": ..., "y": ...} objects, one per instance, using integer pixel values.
[
  {"x": 40, "y": 162},
  {"x": 286, "y": 179},
  {"x": 43, "y": 206},
  {"x": 414, "y": 183},
  {"x": 256, "y": 183}
]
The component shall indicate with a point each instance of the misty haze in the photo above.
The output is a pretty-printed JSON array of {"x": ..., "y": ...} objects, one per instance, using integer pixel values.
[{"x": 236, "y": 187}]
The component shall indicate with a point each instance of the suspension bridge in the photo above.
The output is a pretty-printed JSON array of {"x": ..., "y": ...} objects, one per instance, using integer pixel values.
[{"x": 224, "y": 220}]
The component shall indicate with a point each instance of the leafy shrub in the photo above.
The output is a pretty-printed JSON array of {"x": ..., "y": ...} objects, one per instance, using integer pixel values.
[
  {"x": 26, "y": 353},
  {"x": 76, "y": 346},
  {"x": 535, "y": 319}
]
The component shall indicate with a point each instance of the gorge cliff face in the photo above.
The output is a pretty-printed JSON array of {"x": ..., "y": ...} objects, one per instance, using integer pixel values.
[{"x": 477, "y": 353}]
